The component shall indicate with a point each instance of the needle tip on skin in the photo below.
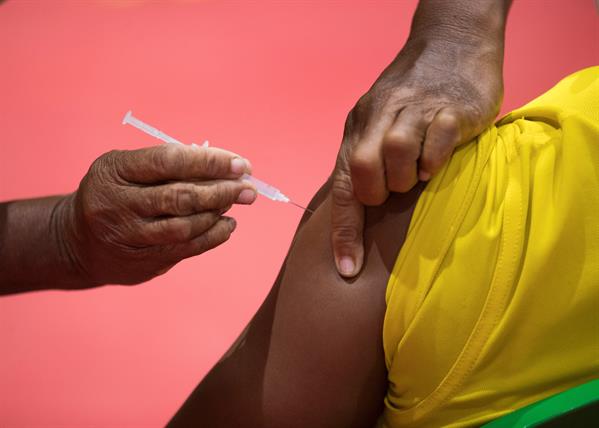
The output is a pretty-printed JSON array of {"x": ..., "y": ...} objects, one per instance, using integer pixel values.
[{"x": 304, "y": 208}]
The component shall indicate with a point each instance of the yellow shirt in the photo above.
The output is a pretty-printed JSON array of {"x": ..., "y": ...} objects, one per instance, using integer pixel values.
[{"x": 493, "y": 302}]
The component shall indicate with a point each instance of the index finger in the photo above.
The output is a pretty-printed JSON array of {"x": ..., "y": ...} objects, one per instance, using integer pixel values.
[
  {"x": 367, "y": 162},
  {"x": 170, "y": 162},
  {"x": 347, "y": 226}
]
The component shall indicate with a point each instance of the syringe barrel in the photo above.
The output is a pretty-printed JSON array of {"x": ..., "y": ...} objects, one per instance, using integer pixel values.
[
  {"x": 148, "y": 129},
  {"x": 266, "y": 189}
]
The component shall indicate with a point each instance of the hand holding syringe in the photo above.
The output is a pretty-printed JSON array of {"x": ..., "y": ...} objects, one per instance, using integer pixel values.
[{"x": 262, "y": 188}]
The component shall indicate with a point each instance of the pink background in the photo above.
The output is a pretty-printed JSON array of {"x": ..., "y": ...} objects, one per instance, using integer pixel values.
[{"x": 270, "y": 80}]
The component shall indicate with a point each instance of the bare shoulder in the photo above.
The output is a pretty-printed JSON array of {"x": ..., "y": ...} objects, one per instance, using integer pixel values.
[{"x": 313, "y": 354}]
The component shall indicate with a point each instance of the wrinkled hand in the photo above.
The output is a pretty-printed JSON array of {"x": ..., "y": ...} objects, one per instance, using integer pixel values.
[
  {"x": 137, "y": 213},
  {"x": 434, "y": 96}
]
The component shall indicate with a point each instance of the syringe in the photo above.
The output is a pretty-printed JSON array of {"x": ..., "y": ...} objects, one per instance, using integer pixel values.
[
  {"x": 150, "y": 130},
  {"x": 262, "y": 188}
]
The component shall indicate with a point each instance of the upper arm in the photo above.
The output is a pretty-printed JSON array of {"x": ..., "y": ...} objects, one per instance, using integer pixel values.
[{"x": 313, "y": 354}]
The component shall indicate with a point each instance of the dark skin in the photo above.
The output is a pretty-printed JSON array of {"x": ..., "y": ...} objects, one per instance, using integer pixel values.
[
  {"x": 135, "y": 215},
  {"x": 444, "y": 87},
  {"x": 312, "y": 355}
]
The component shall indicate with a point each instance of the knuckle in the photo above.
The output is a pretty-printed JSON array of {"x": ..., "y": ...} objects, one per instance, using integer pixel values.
[
  {"x": 218, "y": 234},
  {"x": 162, "y": 230},
  {"x": 162, "y": 201},
  {"x": 165, "y": 201},
  {"x": 342, "y": 192},
  {"x": 104, "y": 165},
  {"x": 183, "y": 198},
  {"x": 179, "y": 230},
  {"x": 226, "y": 193},
  {"x": 167, "y": 158},
  {"x": 112, "y": 156},
  {"x": 174, "y": 230},
  {"x": 449, "y": 121},
  {"x": 362, "y": 162},
  {"x": 198, "y": 245},
  {"x": 401, "y": 144},
  {"x": 100, "y": 162},
  {"x": 448, "y": 125},
  {"x": 212, "y": 196},
  {"x": 345, "y": 235},
  {"x": 176, "y": 199},
  {"x": 209, "y": 164},
  {"x": 212, "y": 164},
  {"x": 204, "y": 221}
]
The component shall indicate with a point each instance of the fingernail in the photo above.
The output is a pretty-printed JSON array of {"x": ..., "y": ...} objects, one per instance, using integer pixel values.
[
  {"x": 232, "y": 222},
  {"x": 346, "y": 266},
  {"x": 424, "y": 176},
  {"x": 248, "y": 166},
  {"x": 247, "y": 196},
  {"x": 238, "y": 166}
]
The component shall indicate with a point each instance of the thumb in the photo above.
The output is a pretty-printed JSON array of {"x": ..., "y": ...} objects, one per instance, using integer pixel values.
[{"x": 347, "y": 226}]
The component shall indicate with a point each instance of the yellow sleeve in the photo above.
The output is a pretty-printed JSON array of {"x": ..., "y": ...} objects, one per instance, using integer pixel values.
[{"x": 493, "y": 300}]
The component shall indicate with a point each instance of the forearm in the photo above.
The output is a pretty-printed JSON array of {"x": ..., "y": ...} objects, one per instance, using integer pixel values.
[
  {"x": 34, "y": 246},
  {"x": 460, "y": 35},
  {"x": 454, "y": 19}
]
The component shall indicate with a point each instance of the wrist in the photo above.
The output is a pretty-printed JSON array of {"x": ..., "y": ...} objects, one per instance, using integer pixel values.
[
  {"x": 68, "y": 238},
  {"x": 467, "y": 57},
  {"x": 465, "y": 22}
]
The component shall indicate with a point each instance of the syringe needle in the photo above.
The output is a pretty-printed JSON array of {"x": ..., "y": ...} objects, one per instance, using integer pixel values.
[{"x": 304, "y": 208}]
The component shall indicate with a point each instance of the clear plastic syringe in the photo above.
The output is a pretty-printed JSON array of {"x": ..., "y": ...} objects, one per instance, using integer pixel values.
[
  {"x": 262, "y": 188},
  {"x": 150, "y": 130}
]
